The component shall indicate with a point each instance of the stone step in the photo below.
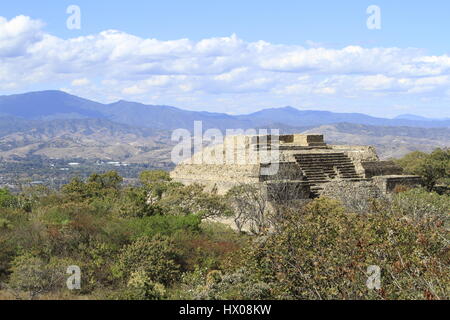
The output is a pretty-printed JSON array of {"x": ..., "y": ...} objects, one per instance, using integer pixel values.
[
  {"x": 320, "y": 154},
  {"x": 325, "y": 164},
  {"x": 315, "y": 160},
  {"x": 321, "y": 168},
  {"x": 323, "y": 158}
]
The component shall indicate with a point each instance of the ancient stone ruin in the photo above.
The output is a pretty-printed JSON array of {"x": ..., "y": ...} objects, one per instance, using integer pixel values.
[{"x": 290, "y": 167}]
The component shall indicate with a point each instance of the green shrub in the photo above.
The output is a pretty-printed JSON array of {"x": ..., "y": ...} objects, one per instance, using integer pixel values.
[
  {"x": 155, "y": 256},
  {"x": 133, "y": 202},
  {"x": 140, "y": 287},
  {"x": 7, "y": 200},
  {"x": 32, "y": 274},
  {"x": 213, "y": 285},
  {"x": 434, "y": 168},
  {"x": 419, "y": 204},
  {"x": 165, "y": 225},
  {"x": 322, "y": 252}
]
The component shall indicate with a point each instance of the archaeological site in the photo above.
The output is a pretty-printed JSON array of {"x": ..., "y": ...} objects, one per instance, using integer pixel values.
[{"x": 290, "y": 167}]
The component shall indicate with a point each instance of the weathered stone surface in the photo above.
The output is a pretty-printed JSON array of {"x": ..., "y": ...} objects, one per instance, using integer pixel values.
[
  {"x": 381, "y": 168},
  {"x": 387, "y": 184},
  {"x": 292, "y": 167}
]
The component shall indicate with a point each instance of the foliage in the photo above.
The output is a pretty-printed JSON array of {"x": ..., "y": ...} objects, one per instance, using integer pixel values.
[
  {"x": 420, "y": 206},
  {"x": 140, "y": 287},
  {"x": 7, "y": 200},
  {"x": 251, "y": 208},
  {"x": 357, "y": 197},
  {"x": 97, "y": 186},
  {"x": 133, "y": 203},
  {"x": 238, "y": 285},
  {"x": 156, "y": 241},
  {"x": 155, "y": 256},
  {"x": 434, "y": 167},
  {"x": 323, "y": 252},
  {"x": 164, "y": 225},
  {"x": 32, "y": 274},
  {"x": 184, "y": 200}
]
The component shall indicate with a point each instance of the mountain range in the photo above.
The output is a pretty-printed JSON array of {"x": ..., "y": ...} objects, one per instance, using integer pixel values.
[
  {"x": 59, "y": 125},
  {"x": 50, "y": 105}
]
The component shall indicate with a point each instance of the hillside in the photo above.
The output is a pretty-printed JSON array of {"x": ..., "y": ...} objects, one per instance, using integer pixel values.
[
  {"x": 390, "y": 142},
  {"x": 81, "y": 138},
  {"x": 57, "y": 125},
  {"x": 49, "y": 105},
  {"x": 107, "y": 140}
]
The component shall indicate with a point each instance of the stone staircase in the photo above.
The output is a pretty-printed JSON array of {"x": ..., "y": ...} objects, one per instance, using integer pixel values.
[{"x": 320, "y": 168}]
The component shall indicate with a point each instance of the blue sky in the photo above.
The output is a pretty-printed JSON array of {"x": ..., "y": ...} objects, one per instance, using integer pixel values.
[{"x": 234, "y": 56}]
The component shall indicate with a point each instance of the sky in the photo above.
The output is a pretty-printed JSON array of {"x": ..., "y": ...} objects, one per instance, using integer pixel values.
[{"x": 234, "y": 56}]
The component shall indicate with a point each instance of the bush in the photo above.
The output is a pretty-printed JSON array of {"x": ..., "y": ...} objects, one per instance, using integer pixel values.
[
  {"x": 32, "y": 274},
  {"x": 185, "y": 200},
  {"x": 434, "y": 167},
  {"x": 237, "y": 285},
  {"x": 155, "y": 256},
  {"x": 357, "y": 197},
  {"x": 419, "y": 204},
  {"x": 7, "y": 200},
  {"x": 322, "y": 252},
  {"x": 140, "y": 287},
  {"x": 212, "y": 248},
  {"x": 164, "y": 225},
  {"x": 133, "y": 202}
]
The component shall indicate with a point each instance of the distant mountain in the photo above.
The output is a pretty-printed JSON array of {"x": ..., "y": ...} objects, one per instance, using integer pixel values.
[
  {"x": 294, "y": 117},
  {"x": 390, "y": 142},
  {"x": 169, "y": 118},
  {"x": 107, "y": 140},
  {"x": 412, "y": 117},
  {"x": 50, "y": 105},
  {"x": 62, "y": 126},
  {"x": 82, "y": 138}
]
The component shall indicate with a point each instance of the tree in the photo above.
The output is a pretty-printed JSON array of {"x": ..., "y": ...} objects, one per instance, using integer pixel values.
[
  {"x": 97, "y": 186},
  {"x": 133, "y": 202},
  {"x": 192, "y": 199},
  {"x": 150, "y": 177},
  {"x": 157, "y": 183},
  {"x": 100, "y": 184},
  {"x": 434, "y": 168},
  {"x": 251, "y": 208}
]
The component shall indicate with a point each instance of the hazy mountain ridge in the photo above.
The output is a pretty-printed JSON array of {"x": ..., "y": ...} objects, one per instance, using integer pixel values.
[
  {"x": 83, "y": 138},
  {"x": 57, "y": 104},
  {"x": 103, "y": 139},
  {"x": 133, "y": 132},
  {"x": 390, "y": 142}
]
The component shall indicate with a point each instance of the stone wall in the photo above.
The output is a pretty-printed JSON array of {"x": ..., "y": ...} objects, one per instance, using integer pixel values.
[
  {"x": 244, "y": 160},
  {"x": 358, "y": 155},
  {"x": 387, "y": 184},
  {"x": 381, "y": 168}
]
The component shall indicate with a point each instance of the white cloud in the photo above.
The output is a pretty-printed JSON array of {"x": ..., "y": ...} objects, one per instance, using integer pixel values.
[
  {"x": 80, "y": 82},
  {"x": 17, "y": 35},
  {"x": 216, "y": 70}
]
